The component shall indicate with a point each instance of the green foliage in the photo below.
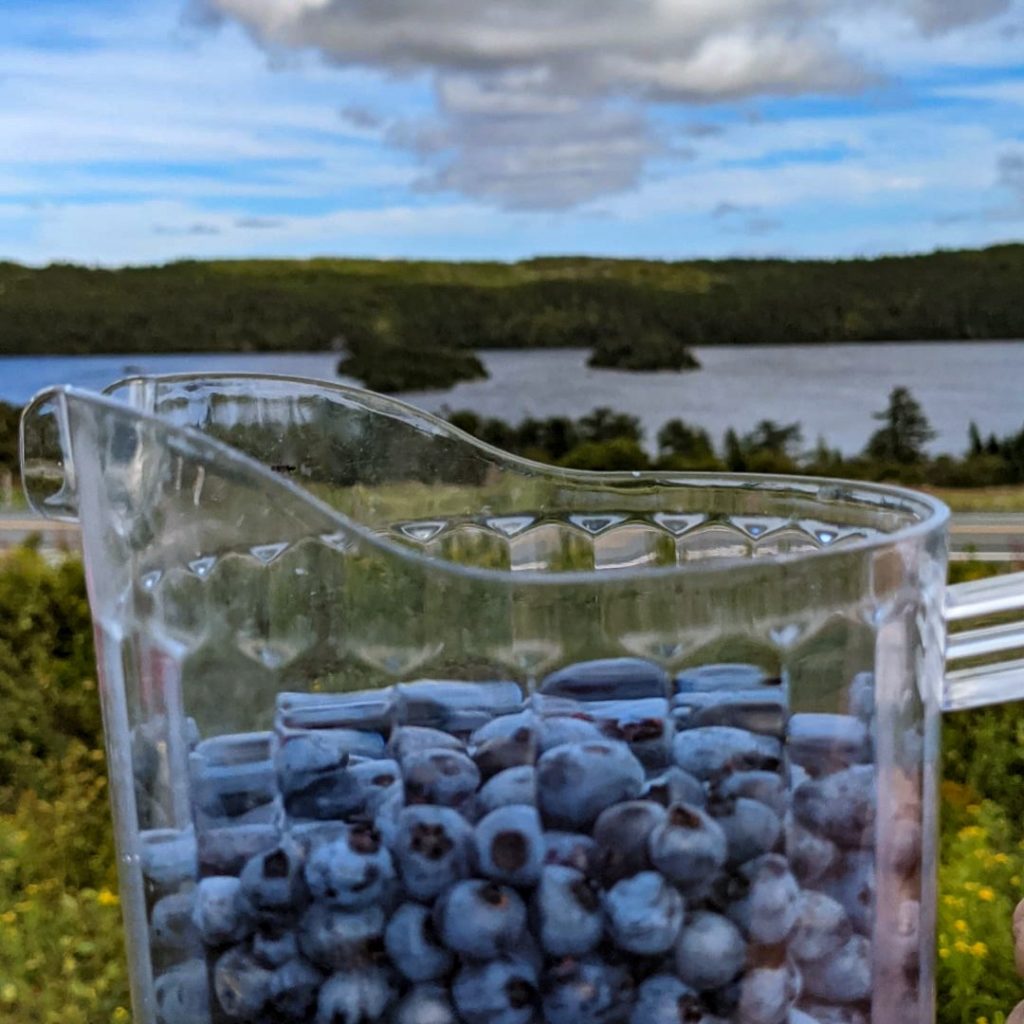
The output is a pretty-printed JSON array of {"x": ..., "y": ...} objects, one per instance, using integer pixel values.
[
  {"x": 682, "y": 446},
  {"x": 619, "y": 453},
  {"x": 9, "y": 417},
  {"x": 61, "y": 954},
  {"x": 393, "y": 368},
  {"x": 904, "y": 432}
]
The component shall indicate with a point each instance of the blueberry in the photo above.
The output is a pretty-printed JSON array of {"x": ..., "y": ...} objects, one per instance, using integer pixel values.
[
  {"x": 411, "y": 739},
  {"x": 710, "y": 751},
  {"x": 480, "y": 920},
  {"x": 576, "y": 781},
  {"x": 826, "y": 743},
  {"x": 586, "y": 991},
  {"x": 509, "y": 845},
  {"x": 499, "y": 992},
  {"x": 355, "y": 997},
  {"x": 505, "y": 743},
  {"x": 388, "y": 815},
  {"x": 811, "y": 856},
  {"x": 432, "y": 850},
  {"x": 644, "y": 725},
  {"x": 853, "y": 885},
  {"x": 219, "y": 914},
  {"x": 272, "y": 884},
  {"x": 841, "y": 806},
  {"x": 182, "y": 995},
  {"x": 710, "y": 951},
  {"x": 664, "y": 999},
  {"x": 512, "y": 786},
  {"x": 621, "y": 834},
  {"x": 644, "y": 914},
  {"x": 769, "y": 788},
  {"x": 558, "y": 730},
  {"x": 762, "y": 711},
  {"x": 172, "y": 930},
  {"x": 688, "y": 848},
  {"x": 241, "y": 985},
  {"x": 225, "y": 851},
  {"x": 768, "y": 992},
  {"x": 568, "y": 912},
  {"x": 413, "y": 945},
  {"x": 169, "y": 859},
  {"x": 674, "y": 786},
  {"x": 337, "y": 940},
  {"x": 227, "y": 788},
  {"x": 570, "y": 849},
  {"x": 720, "y": 678},
  {"x": 445, "y": 777},
  {"x": 843, "y": 977},
  {"x": 456, "y": 706},
  {"x": 768, "y": 908},
  {"x": 365, "y": 710},
  {"x": 274, "y": 947},
  {"x": 751, "y": 828},
  {"x": 312, "y": 774},
  {"x": 308, "y": 836},
  {"x": 862, "y": 696},
  {"x": 375, "y": 781},
  {"x": 425, "y": 1004},
  {"x": 799, "y": 1017},
  {"x": 821, "y": 929},
  {"x": 607, "y": 679},
  {"x": 351, "y": 872},
  {"x": 294, "y": 988}
]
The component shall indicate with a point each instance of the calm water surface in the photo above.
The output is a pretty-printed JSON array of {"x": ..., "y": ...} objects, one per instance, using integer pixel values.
[{"x": 831, "y": 389}]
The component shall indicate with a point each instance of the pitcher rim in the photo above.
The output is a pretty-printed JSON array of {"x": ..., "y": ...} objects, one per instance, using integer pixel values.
[{"x": 934, "y": 513}]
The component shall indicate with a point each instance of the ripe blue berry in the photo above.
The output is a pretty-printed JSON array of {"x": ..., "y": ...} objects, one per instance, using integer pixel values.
[
  {"x": 375, "y": 781},
  {"x": 720, "y": 678},
  {"x": 480, "y": 920},
  {"x": 511, "y": 786},
  {"x": 219, "y": 914},
  {"x": 821, "y": 928},
  {"x": 767, "y": 906},
  {"x": 664, "y": 999},
  {"x": 811, "y": 856},
  {"x": 169, "y": 859},
  {"x": 499, "y": 992},
  {"x": 644, "y": 914},
  {"x": 425, "y": 1004},
  {"x": 445, "y": 777},
  {"x": 272, "y": 886},
  {"x": 853, "y": 885},
  {"x": 843, "y": 977},
  {"x": 824, "y": 743},
  {"x": 607, "y": 679},
  {"x": 509, "y": 845},
  {"x": 576, "y": 781},
  {"x": 412, "y": 739},
  {"x": 172, "y": 931},
  {"x": 432, "y": 849},
  {"x": 294, "y": 988},
  {"x": 688, "y": 847},
  {"x": 273, "y": 947},
  {"x": 355, "y": 997},
  {"x": 587, "y": 990},
  {"x": 241, "y": 985},
  {"x": 761, "y": 711},
  {"x": 621, "y": 834},
  {"x": 674, "y": 786},
  {"x": 413, "y": 945},
  {"x": 337, "y": 940},
  {"x": 570, "y": 849},
  {"x": 840, "y": 806},
  {"x": 351, "y": 872},
  {"x": 225, "y": 851},
  {"x": 568, "y": 912},
  {"x": 767, "y": 993},
  {"x": 769, "y": 788},
  {"x": 182, "y": 994},
  {"x": 456, "y": 706},
  {"x": 710, "y": 751},
  {"x": 710, "y": 951},
  {"x": 751, "y": 828}
]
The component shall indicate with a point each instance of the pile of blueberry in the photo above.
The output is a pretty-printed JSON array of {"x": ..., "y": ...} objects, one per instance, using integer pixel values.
[{"x": 617, "y": 848}]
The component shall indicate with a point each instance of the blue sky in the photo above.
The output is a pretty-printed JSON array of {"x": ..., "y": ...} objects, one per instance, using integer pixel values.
[{"x": 136, "y": 132}]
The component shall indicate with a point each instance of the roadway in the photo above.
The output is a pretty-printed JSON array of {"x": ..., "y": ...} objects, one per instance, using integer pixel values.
[{"x": 995, "y": 537}]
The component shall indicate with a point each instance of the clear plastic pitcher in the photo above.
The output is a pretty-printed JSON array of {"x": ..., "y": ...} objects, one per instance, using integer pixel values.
[{"x": 404, "y": 729}]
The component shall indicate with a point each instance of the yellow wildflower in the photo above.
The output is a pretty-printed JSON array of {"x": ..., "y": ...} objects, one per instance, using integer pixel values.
[
  {"x": 8, "y": 917},
  {"x": 1001, "y": 858},
  {"x": 9, "y": 993},
  {"x": 971, "y": 886},
  {"x": 960, "y": 946},
  {"x": 986, "y": 894},
  {"x": 943, "y": 952},
  {"x": 1014, "y": 879},
  {"x": 960, "y": 925},
  {"x": 980, "y": 950},
  {"x": 106, "y": 898},
  {"x": 981, "y": 1020},
  {"x": 121, "y": 1015},
  {"x": 974, "y": 809},
  {"x": 971, "y": 832}
]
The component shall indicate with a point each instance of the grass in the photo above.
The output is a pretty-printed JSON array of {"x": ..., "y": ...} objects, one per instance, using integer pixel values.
[{"x": 980, "y": 499}]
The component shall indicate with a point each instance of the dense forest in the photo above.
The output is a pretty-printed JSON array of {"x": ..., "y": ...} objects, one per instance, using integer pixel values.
[{"x": 631, "y": 313}]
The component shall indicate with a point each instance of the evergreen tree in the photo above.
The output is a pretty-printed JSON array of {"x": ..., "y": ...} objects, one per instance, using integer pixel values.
[
  {"x": 904, "y": 432},
  {"x": 690, "y": 443}
]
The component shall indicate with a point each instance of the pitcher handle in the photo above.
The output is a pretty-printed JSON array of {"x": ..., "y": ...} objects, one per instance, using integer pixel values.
[
  {"x": 47, "y": 465},
  {"x": 1000, "y": 680}
]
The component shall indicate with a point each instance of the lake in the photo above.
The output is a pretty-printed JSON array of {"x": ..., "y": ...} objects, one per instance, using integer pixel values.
[{"x": 831, "y": 389}]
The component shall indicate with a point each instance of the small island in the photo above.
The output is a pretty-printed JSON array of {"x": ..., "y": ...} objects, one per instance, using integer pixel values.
[
  {"x": 393, "y": 368},
  {"x": 652, "y": 350}
]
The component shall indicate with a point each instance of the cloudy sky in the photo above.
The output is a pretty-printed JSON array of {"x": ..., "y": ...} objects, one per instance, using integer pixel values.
[{"x": 135, "y": 131}]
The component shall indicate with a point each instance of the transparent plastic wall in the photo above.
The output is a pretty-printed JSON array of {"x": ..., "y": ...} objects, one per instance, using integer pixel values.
[{"x": 403, "y": 729}]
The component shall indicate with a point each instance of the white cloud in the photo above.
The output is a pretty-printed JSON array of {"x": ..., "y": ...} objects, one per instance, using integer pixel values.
[{"x": 541, "y": 105}]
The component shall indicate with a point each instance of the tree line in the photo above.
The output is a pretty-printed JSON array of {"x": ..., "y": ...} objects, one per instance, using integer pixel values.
[
  {"x": 896, "y": 451},
  {"x": 629, "y": 313}
]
